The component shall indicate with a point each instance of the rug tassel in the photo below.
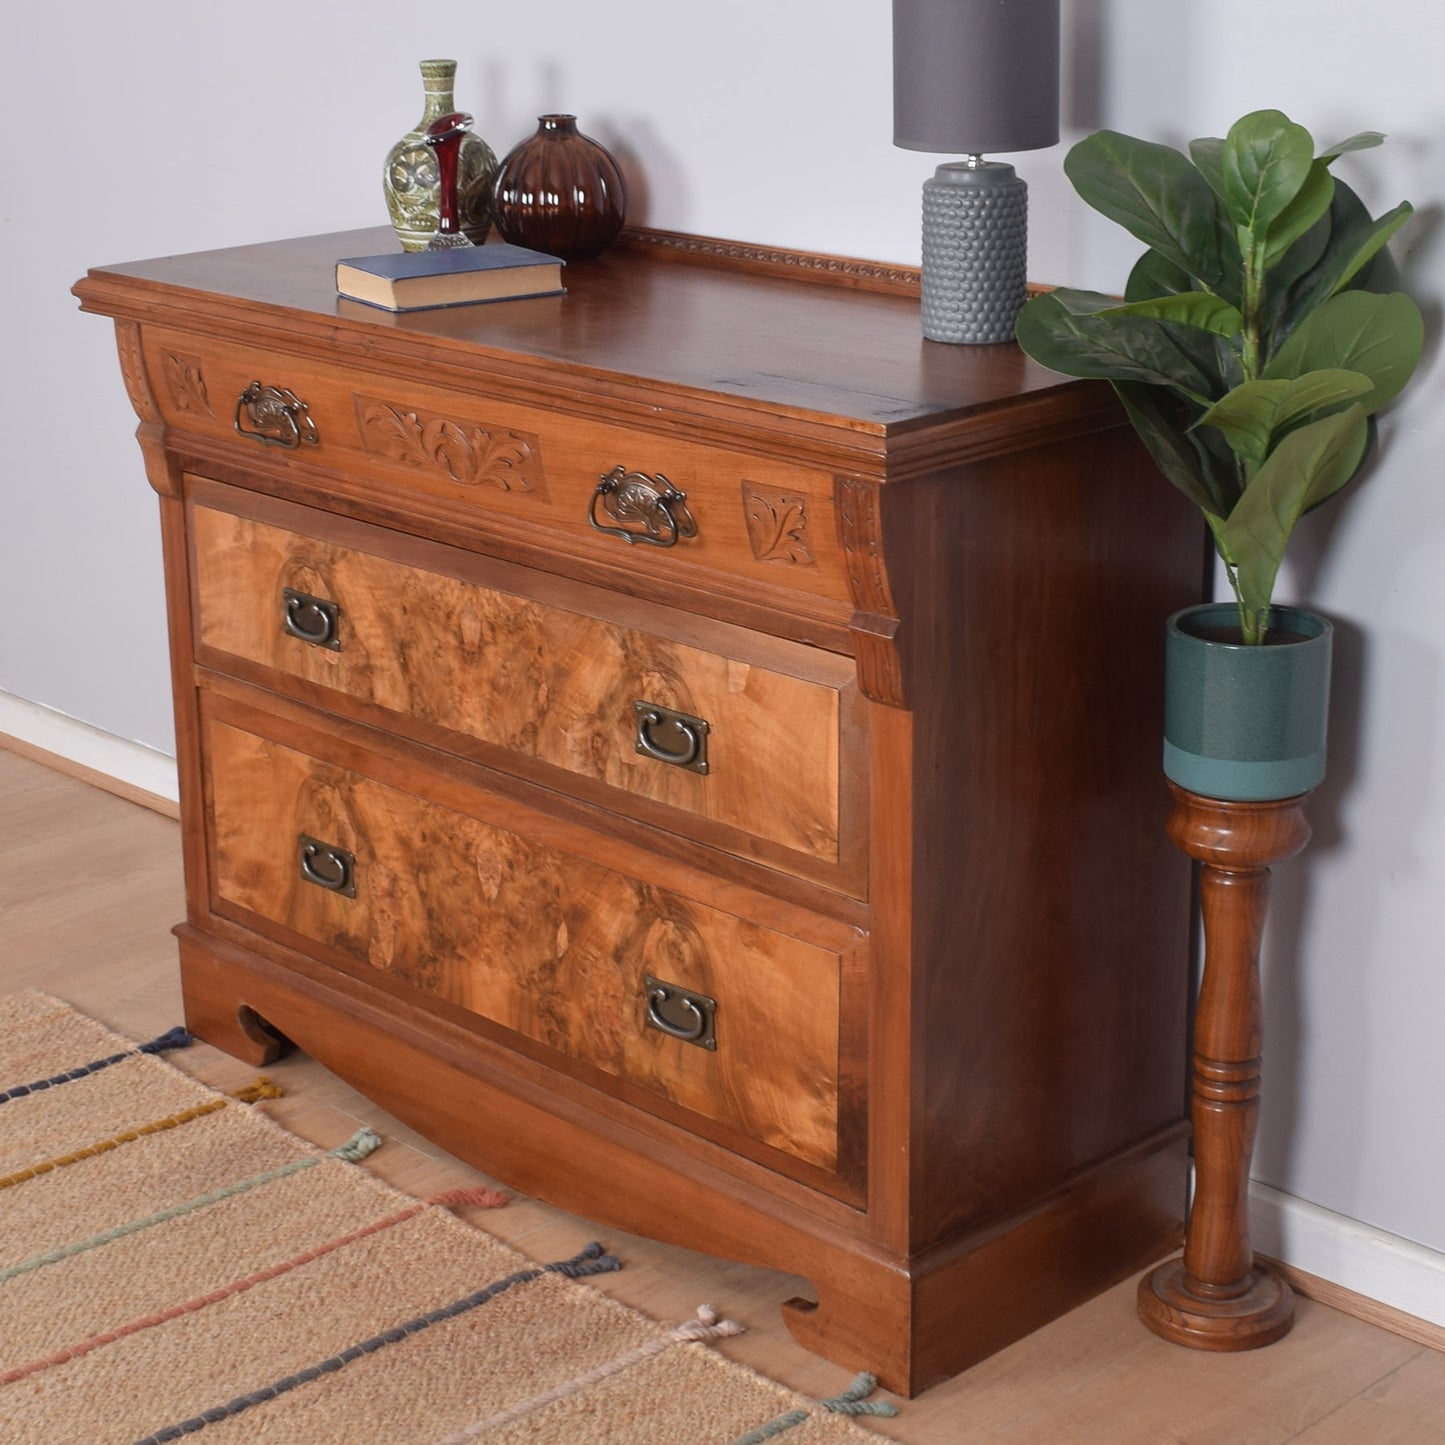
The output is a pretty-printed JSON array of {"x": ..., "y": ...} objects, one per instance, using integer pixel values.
[
  {"x": 591, "y": 1260},
  {"x": 179, "y": 1037},
  {"x": 365, "y": 1141},
  {"x": 706, "y": 1326},
  {"x": 854, "y": 1400},
  {"x": 851, "y": 1402},
  {"x": 485, "y": 1198},
  {"x": 263, "y": 1088}
]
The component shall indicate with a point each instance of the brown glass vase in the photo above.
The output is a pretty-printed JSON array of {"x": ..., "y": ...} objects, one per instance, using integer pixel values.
[{"x": 559, "y": 192}]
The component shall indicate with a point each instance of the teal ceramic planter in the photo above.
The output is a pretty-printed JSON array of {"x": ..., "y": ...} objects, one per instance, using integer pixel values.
[{"x": 1246, "y": 724}]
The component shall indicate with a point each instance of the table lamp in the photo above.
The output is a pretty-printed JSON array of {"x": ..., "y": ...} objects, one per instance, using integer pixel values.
[{"x": 970, "y": 77}]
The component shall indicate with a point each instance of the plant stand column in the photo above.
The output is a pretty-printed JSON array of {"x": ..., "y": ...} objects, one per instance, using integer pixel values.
[{"x": 1216, "y": 1297}]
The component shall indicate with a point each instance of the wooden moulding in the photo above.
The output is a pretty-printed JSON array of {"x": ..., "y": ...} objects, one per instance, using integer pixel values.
[
  {"x": 812, "y": 266},
  {"x": 816, "y": 266}
]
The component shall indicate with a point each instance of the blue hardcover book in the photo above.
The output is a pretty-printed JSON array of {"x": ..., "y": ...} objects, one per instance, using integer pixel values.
[{"x": 454, "y": 276}]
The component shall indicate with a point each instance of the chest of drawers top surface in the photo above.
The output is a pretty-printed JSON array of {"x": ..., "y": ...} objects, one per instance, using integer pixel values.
[{"x": 821, "y": 357}]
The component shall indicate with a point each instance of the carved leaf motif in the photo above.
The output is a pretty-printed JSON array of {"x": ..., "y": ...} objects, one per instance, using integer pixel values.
[
  {"x": 863, "y": 556},
  {"x": 777, "y": 526},
  {"x": 466, "y": 452},
  {"x": 499, "y": 459},
  {"x": 187, "y": 384},
  {"x": 875, "y": 622},
  {"x": 133, "y": 370}
]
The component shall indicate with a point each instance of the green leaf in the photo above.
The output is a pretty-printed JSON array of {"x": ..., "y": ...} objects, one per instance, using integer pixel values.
[
  {"x": 1156, "y": 275},
  {"x": 1285, "y": 274},
  {"x": 1252, "y": 414},
  {"x": 1203, "y": 476},
  {"x": 1352, "y": 261},
  {"x": 1354, "y": 242},
  {"x": 1381, "y": 336},
  {"x": 1154, "y": 193},
  {"x": 1207, "y": 154},
  {"x": 1083, "y": 303},
  {"x": 1199, "y": 309},
  {"x": 1265, "y": 162},
  {"x": 1364, "y": 141},
  {"x": 1308, "y": 466},
  {"x": 1309, "y": 205},
  {"x": 1118, "y": 348}
]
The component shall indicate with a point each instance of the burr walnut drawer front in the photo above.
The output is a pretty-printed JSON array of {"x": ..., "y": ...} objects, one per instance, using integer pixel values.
[
  {"x": 682, "y": 1005},
  {"x": 648, "y": 500},
  {"x": 709, "y": 730}
]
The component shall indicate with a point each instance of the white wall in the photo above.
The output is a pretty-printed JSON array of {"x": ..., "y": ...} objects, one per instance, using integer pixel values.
[{"x": 158, "y": 127}]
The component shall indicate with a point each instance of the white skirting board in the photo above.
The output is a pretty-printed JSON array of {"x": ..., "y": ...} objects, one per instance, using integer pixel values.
[
  {"x": 1396, "y": 1272},
  {"x": 88, "y": 747}
]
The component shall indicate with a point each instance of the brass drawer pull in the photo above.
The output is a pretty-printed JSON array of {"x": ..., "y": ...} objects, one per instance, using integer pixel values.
[
  {"x": 327, "y": 866},
  {"x": 312, "y": 619},
  {"x": 687, "y": 734},
  {"x": 646, "y": 509},
  {"x": 681, "y": 1014},
  {"x": 275, "y": 417}
]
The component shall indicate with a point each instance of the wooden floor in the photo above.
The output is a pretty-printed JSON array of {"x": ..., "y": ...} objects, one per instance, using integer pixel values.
[{"x": 89, "y": 887}]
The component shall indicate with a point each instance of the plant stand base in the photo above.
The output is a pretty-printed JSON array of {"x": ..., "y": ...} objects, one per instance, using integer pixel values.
[
  {"x": 1259, "y": 1316},
  {"x": 1216, "y": 1297}
]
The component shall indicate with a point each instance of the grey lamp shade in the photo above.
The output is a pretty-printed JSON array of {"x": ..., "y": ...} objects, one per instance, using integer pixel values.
[{"x": 975, "y": 77}]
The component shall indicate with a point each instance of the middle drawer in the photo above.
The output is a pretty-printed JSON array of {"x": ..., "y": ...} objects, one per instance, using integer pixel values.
[{"x": 750, "y": 743}]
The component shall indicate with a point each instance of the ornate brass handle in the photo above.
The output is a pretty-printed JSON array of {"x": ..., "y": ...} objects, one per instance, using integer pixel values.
[
  {"x": 681, "y": 1014},
  {"x": 327, "y": 866},
  {"x": 275, "y": 417},
  {"x": 312, "y": 619},
  {"x": 645, "y": 509},
  {"x": 687, "y": 734}
]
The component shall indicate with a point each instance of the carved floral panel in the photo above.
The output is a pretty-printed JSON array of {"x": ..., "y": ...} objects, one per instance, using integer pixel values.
[
  {"x": 777, "y": 526},
  {"x": 186, "y": 384},
  {"x": 463, "y": 451}
]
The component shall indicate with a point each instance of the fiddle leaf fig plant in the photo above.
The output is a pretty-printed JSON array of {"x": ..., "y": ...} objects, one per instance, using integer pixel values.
[{"x": 1249, "y": 349}]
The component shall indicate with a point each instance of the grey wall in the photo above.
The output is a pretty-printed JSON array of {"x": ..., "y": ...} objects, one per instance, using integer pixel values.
[{"x": 157, "y": 126}]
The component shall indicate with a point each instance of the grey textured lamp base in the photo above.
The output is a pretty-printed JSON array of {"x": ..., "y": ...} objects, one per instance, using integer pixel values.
[{"x": 975, "y": 252}]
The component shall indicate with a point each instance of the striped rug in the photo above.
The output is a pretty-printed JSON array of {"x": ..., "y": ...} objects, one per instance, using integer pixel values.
[{"x": 174, "y": 1264}]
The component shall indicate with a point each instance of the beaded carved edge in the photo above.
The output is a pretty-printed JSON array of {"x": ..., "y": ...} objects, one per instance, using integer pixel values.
[{"x": 774, "y": 260}]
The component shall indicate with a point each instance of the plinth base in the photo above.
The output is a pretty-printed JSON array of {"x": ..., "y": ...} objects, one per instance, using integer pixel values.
[{"x": 1260, "y": 1316}]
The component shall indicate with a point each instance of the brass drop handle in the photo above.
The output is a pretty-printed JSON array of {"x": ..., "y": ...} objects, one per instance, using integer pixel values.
[
  {"x": 327, "y": 866},
  {"x": 275, "y": 417},
  {"x": 313, "y": 619},
  {"x": 642, "y": 508},
  {"x": 668, "y": 736},
  {"x": 680, "y": 1013}
]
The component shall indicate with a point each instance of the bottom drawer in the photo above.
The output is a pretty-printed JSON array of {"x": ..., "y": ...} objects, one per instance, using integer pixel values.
[{"x": 730, "y": 1020}]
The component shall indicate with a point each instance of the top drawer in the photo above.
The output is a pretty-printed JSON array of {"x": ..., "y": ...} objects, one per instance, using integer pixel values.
[{"x": 541, "y": 478}]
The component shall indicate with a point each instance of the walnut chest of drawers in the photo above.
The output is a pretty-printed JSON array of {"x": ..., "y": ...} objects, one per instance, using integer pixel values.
[{"x": 690, "y": 747}]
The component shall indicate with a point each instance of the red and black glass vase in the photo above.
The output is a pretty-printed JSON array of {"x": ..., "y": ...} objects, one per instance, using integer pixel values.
[{"x": 559, "y": 191}]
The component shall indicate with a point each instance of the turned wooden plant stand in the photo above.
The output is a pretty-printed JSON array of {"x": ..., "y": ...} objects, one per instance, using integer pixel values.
[{"x": 1216, "y": 1297}]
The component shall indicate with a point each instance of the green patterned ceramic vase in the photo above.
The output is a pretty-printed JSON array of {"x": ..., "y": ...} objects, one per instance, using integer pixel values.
[
  {"x": 1246, "y": 723},
  {"x": 410, "y": 177}
]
